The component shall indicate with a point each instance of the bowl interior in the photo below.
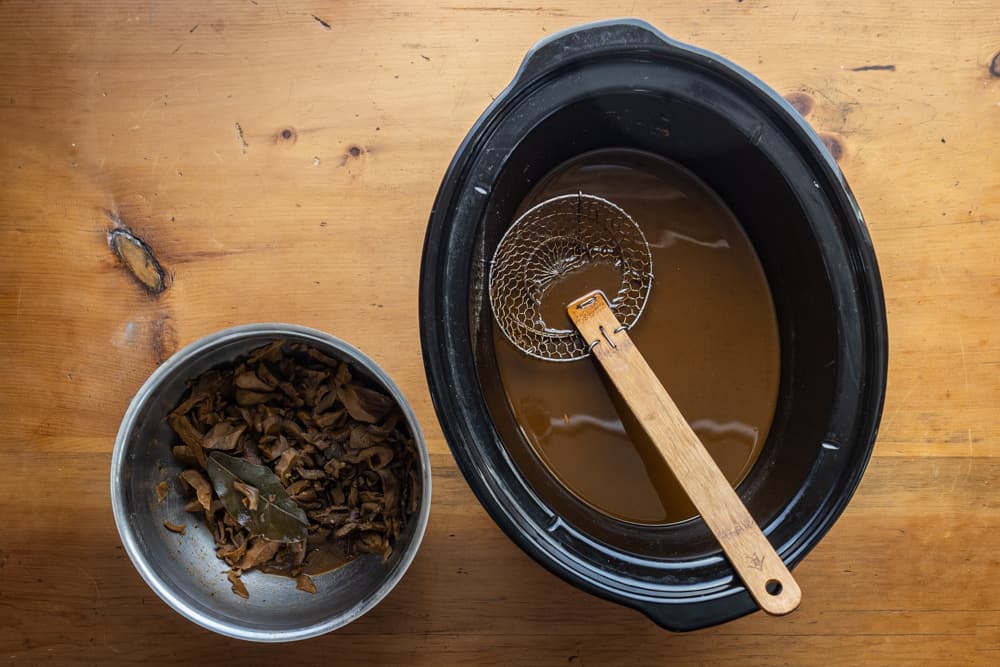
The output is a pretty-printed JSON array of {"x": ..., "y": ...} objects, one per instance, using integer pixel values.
[
  {"x": 760, "y": 195},
  {"x": 183, "y": 569}
]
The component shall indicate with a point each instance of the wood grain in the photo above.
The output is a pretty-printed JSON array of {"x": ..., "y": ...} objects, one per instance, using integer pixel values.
[
  {"x": 751, "y": 555},
  {"x": 168, "y": 120}
]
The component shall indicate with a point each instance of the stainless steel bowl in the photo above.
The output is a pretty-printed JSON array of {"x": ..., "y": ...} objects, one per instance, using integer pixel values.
[{"x": 183, "y": 570}]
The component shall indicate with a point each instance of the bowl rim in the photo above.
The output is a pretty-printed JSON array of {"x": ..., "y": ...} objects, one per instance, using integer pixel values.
[{"x": 127, "y": 534}]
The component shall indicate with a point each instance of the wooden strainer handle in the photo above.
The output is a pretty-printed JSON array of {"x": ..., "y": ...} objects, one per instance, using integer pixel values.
[{"x": 763, "y": 572}]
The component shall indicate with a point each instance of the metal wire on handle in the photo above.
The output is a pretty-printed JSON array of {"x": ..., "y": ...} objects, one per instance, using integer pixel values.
[{"x": 551, "y": 240}]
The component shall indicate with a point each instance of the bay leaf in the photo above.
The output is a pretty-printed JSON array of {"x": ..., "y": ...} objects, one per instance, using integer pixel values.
[{"x": 276, "y": 517}]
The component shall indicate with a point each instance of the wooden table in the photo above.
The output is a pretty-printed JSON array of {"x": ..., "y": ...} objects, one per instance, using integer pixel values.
[{"x": 280, "y": 159}]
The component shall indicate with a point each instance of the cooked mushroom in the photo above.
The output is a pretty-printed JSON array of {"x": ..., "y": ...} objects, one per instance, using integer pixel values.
[
  {"x": 174, "y": 527},
  {"x": 260, "y": 551},
  {"x": 249, "y": 380},
  {"x": 224, "y": 436},
  {"x": 238, "y": 586},
  {"x": 313, "y": 441},
  {"x": 304, "y": 583},
  {"x": 251, "y": 493},
  {"x": 195, "y": 481},
  {"x": 285, "y": 462}
]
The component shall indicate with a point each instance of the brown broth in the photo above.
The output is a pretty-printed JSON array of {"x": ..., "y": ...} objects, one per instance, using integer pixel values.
[{"x": 709, "y": 332}]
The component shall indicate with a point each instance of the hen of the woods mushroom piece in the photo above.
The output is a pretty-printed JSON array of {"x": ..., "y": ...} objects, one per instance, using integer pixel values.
[{"x": 296, "y": 467}]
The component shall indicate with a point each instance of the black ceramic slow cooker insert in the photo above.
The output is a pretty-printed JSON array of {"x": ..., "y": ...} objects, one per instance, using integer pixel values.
[{"x": 623, "y": 84}]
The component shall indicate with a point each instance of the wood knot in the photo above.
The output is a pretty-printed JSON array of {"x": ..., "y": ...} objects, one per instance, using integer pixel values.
[
  {"x": 834, "y": 144},
  {"x": 353, "y": 152},
  {"x": 800, "y": 102},
  {"x": 286, "y": 135},
  {"x": 138, "y": 259},
  {"x": 163, "y": 339},
  {"x": 995, "y": 66}
]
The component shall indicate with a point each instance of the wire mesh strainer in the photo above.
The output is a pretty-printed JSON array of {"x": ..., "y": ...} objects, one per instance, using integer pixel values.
[{"x": 551, "y": 240}]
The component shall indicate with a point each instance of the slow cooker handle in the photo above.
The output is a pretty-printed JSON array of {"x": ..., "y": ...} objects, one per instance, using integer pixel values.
[{"x": 589, "y": 39}]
